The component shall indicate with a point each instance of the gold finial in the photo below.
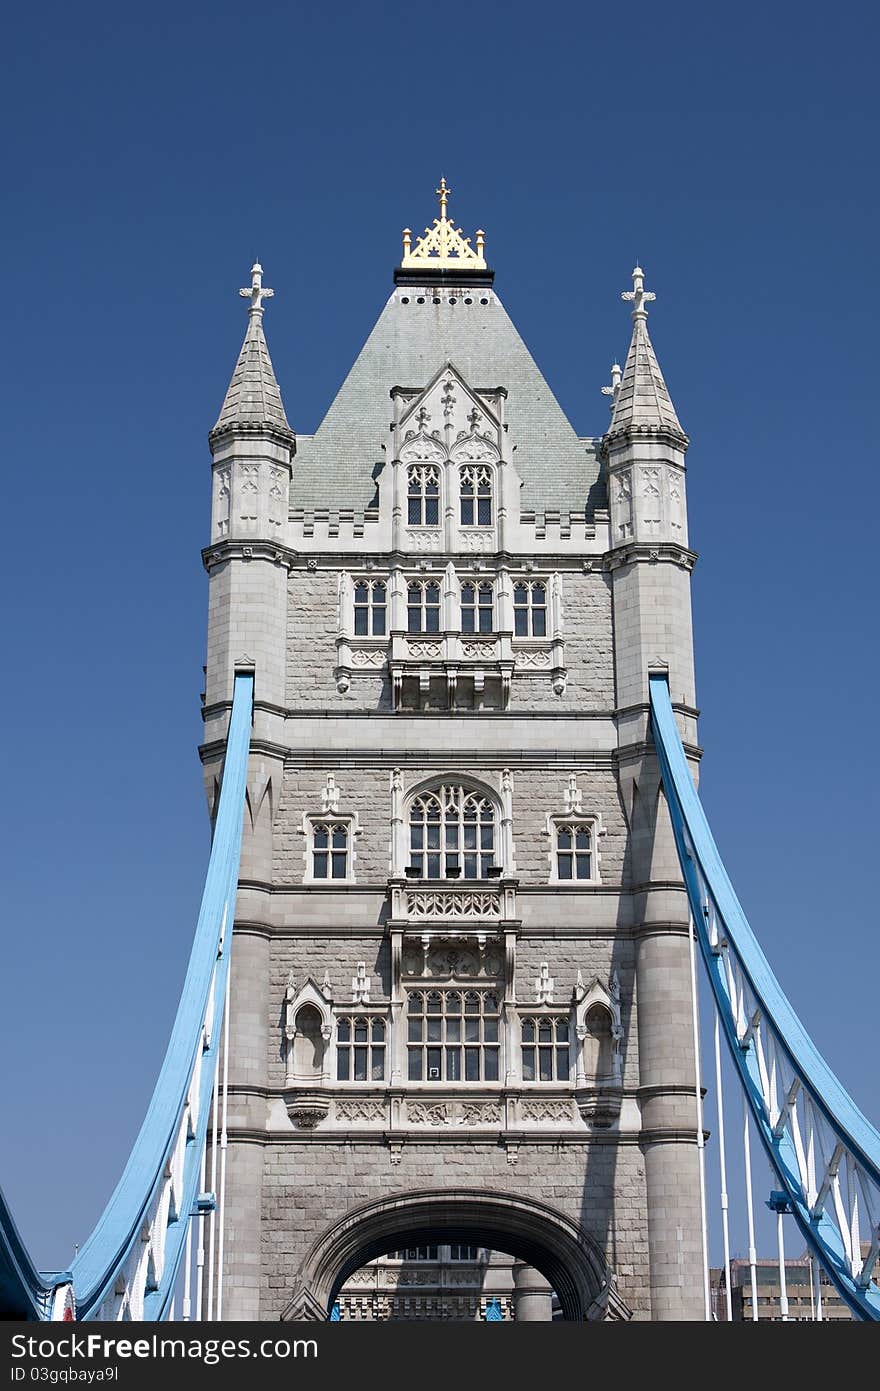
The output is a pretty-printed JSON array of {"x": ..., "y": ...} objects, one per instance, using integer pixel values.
[{"x": 443, "y": 246}]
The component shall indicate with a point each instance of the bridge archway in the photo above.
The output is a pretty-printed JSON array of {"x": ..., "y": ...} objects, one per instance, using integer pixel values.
[{"x": 531, "y": 1231}]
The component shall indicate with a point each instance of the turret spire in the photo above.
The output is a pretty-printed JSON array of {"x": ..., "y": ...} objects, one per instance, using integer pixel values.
[
  {"x": 253, "y": 400},
  {"x": 642, "y": 398}
]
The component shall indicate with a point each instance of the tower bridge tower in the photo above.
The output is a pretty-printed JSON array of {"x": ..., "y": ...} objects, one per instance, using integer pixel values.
[{"x": 460, "y": 1000}]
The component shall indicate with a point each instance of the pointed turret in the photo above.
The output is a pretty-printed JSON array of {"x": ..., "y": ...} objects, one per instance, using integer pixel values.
[
  {"x": 252, "y": 446},
  {"x": 642, "y": 400},
  {"x": 253, "y": 400}
]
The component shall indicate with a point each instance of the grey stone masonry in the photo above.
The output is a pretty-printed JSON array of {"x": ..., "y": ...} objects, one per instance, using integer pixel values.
[{"x": 460, "y": 999}]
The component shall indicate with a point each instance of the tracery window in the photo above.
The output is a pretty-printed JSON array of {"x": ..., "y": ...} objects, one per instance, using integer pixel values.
[
  {"x": 545, "y": 1048},
  {"x": 360, "y": 1049},
  {"x": 370, "y": 608},
  {"x": 423, "y": 495},
  {"x": 477, "y": 608},
  {"x": 423, "y": 607},
  {"x": 330, "y": 848},
  {"x": 451, "y": 834},
  {"x": 573, "y": 850},
  {"x": 530, "y": 609},
  {"x": 453, "y": 1035},
  {"x": 475, "y": 494},
  {"x": 458, "y": 1252}
]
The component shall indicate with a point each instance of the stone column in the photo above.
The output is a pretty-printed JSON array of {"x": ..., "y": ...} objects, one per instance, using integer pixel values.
[{"x": 532, "y": 1295}]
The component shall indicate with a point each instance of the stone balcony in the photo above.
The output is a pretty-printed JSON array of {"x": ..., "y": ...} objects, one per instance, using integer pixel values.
[
  {"x": 453, "y": 902},
  {"x": 450, "y": 669}
]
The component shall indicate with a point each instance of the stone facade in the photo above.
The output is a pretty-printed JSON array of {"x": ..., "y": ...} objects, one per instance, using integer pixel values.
[{"x": 460, "y": 1001}]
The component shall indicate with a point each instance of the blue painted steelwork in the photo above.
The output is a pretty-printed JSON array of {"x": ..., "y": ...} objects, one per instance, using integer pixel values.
[
  {"x": 148, "y": 1209},
  {"x": 493, "y": 1311},
  {"x": 824, "y": 1152},
  {"x": 24, "y": 1294}
]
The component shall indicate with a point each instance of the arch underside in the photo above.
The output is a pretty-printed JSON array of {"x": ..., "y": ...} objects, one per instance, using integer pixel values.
[{"x": 531, "y": 1231}]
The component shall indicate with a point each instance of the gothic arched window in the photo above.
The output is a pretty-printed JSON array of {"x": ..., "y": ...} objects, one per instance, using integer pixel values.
[
  {"x": 545, "y": 1048},
  {"x": 475, "y": 494},
  {"x": 423, "y": 607},
  {"x": 423, "y": 495},
  {"x": 530, "y": 609},
  {"x": 477, "y": 608},
  {"x": 330, "y": 848},
  {"x": 574, "y": 850},
  {"x": 451, "y": 834},
  {"x": 370, "y": 607}
]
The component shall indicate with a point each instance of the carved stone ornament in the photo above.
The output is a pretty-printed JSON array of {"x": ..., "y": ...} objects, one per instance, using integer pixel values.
[
  {"x": 428, "y": 1113},
  {"x": 599, "y": 1107},
  {"x": 360, "y": 1109},
  {"x": 544, "y": 1112},
  {"x": 307, "y": 1109}
]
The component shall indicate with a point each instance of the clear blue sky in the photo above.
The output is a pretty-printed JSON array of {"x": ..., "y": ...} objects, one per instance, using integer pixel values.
[{"x": 152, "y": 153}]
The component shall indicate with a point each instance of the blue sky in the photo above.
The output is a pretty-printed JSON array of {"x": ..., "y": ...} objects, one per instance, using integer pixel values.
[{"x": 151, "y": 155}]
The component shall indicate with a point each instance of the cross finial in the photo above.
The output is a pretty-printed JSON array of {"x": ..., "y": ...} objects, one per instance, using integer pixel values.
[
  {"x": 614, "y": 388},
  {"x": 256, "y": 294},
  {"x": 443, "y": 193},
  {"x": 638, "y": 295}
]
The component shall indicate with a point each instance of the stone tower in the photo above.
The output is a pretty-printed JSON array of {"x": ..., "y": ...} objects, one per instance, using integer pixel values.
[{"x": 460, "y": 1002}]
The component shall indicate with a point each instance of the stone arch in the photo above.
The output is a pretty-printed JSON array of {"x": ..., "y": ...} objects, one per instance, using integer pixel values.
[
  {"x": 532, "y": 1231},
  {"x": 468, "y": 781}
]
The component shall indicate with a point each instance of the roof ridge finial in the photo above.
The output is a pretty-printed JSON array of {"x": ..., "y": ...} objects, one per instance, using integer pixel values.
[
  {"x": 443, "y": 246},
  {"x": 256, "y": 293},
  {"x": 638, "y": 295}
]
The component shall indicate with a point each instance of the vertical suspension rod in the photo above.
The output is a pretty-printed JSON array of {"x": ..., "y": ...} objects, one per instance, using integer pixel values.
[
  {"x": 750, "y": 1206},
  {"x": 722, "y": 1159},
  {"x": 701, "y": 1143},
  {"x": 224, "y": 1105},
  {"x": 212, "y": 1220}
]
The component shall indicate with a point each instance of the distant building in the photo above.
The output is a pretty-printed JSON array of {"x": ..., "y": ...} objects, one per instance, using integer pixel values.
[
  {"x": 799, "y": 1285},
  {"x": 451, "y": 1282}
]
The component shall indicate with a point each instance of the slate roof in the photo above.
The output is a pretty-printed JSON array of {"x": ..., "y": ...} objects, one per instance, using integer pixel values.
[
  {"x": 643, "y": 398},
  {"x": 337, "y": 466},
  {"x": 253, "y": 397}
]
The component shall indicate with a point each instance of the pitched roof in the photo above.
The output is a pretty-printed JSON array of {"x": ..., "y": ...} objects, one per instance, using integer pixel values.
[
  {"x": 253, "y": 397},
  {"x": 418, "y": 331}
]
